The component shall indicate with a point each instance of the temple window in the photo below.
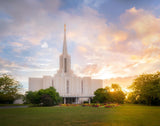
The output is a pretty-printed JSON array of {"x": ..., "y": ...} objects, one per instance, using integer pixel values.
[
  {"x": 82, "y": 87},
  {"x": 67, "y": 87}
]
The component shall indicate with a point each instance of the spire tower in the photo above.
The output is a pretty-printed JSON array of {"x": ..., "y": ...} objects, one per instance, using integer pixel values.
[
  {"x": 65, "y": 59},
  {"x": 64, "y": 41}
]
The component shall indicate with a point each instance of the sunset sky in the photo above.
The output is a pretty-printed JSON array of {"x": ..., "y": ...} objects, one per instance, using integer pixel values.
[{"x": 106, "y": 38}]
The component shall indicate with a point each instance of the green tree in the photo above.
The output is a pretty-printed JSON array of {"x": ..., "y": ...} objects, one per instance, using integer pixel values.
[
  {"x": 107, "y": 88},
  {"x": 146, "y": 89},
  {"x": 32, "y": 97},
  {"x": 117, "y": 96},
  {"x": 101, "y": 96},
  {"x": 116, "y": 87},
  {"x": 46, "y": 100},
  {"x": 131, "y": 98},
  {"x": 8, "y": 89},
  {"x": 104, "y": 95},
  {"x": 46, "y": 97}
]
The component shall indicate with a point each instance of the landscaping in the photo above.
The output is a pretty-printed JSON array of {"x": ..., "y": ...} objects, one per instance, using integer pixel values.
[
  {"x": 123, "y": 115},
  {"x": 100, "y": 105}
]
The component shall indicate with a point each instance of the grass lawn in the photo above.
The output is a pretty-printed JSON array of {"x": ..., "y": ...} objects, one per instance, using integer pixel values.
[{"x": 124, "y": 115}]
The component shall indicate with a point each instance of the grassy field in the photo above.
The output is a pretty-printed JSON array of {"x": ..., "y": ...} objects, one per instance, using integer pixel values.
[{"x": 124, "y": 115}]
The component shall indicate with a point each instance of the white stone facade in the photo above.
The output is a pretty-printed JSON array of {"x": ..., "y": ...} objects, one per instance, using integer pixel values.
[{"x": 73, "y": 89}]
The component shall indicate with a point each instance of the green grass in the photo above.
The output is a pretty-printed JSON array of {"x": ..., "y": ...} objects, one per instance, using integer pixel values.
[{"x": 124, "y": 115}]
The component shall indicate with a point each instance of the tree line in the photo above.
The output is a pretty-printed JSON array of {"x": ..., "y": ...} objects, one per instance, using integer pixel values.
[{"x": 145, "y": 89}]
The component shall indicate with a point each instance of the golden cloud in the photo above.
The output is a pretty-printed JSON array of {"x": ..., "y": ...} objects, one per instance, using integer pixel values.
[
  {"x": 120, "y": 36},
  {"x": 82, "y": 49},
  {"x": 144, "y": 23}
]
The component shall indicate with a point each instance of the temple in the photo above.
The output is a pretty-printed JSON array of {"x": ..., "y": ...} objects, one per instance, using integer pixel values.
[{"x": 73, "y": 89}]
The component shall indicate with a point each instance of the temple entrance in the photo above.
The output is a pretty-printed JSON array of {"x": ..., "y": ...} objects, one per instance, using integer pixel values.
[
  {"x": 69, "y": 100},
  {"x": 76, "y": 100}
]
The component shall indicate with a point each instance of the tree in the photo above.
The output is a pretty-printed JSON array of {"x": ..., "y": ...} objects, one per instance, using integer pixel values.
[
  {"x": 116, "y": 87},
  {"x": 146, "y": 89},
  {"x": 8, "y": 89},
  {"x": 101, "y": 96},
  {"x": 32, "y": 97},
  {"x": 131, "y": 98},
  {"x": 46, "y": 100},
  {"x": 107, "y": 88},
  {"x": 117, "y": 96},
  {"x": 46, "y": 97}
]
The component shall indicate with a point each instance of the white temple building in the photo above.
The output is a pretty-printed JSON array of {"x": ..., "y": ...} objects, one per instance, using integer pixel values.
[{"x": 72, "y": 88}]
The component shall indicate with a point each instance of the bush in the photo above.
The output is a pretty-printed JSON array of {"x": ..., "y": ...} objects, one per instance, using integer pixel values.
[
  {"x": 46, "y": 100},
  {"x": 45, "y": 97},
  {"x": 101, "y": 96},
  {"x": 85, "y": 102}
]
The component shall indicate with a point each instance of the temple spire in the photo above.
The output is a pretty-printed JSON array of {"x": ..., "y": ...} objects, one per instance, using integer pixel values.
[{"x": 64, "y": 41}]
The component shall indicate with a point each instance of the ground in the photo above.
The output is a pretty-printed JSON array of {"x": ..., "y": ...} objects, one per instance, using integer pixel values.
[{"x": 124, "y": 115}]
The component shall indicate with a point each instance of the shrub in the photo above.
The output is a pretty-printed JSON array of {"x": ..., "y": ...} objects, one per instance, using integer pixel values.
[
  {"x": 46, "y": 100},
  {"x": 45, "y": 97},
  {"x": 85, "y": 102}
]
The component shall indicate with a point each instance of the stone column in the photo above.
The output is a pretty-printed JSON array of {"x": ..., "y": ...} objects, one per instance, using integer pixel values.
[
  {"x": 77, "y": 100},
  {"x": 89, "y": 100},
  {"x": 64, "y": 100}
]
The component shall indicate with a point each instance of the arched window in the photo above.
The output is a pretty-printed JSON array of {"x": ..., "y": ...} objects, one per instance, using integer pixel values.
[
  {"x": 67, "y": 86},
  {"x": 82, "y": 87}
]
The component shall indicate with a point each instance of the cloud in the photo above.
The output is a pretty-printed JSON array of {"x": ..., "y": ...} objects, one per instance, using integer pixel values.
[
  {"x": 17, "y": 44},
  {"x": 93, "y": 3},
  {"x": 31, "y": 18},
  {"x": 120, "y": 36},
  {"x": 144, "y": 23},
  {"x": 3, "y": 71},
  {"x": 44, "y": 45},
  {"x": 33, "y": 34},
  {"x": 124, "y": 82},
  {"x": 91, "y": 69}
]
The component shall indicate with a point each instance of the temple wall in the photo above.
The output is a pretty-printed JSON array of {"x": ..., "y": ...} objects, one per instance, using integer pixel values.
[
  {"x": 96, "y": 83},
  {"x": 47, "y": 82},
  {"x": 86, "y": 86},
  {"x": 60, "y": 84},
  {"x": 35, "y": 84}
]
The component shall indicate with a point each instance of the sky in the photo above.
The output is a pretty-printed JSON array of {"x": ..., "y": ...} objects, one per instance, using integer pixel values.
[{"x": 115, "y": 40}]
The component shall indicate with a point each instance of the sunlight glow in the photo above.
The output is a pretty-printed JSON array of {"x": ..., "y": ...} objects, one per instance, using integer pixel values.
[
  {"x": 126, "y": 90},
  {"x": 112, "y": 90},
  {"x": 104, "y": 73}
]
